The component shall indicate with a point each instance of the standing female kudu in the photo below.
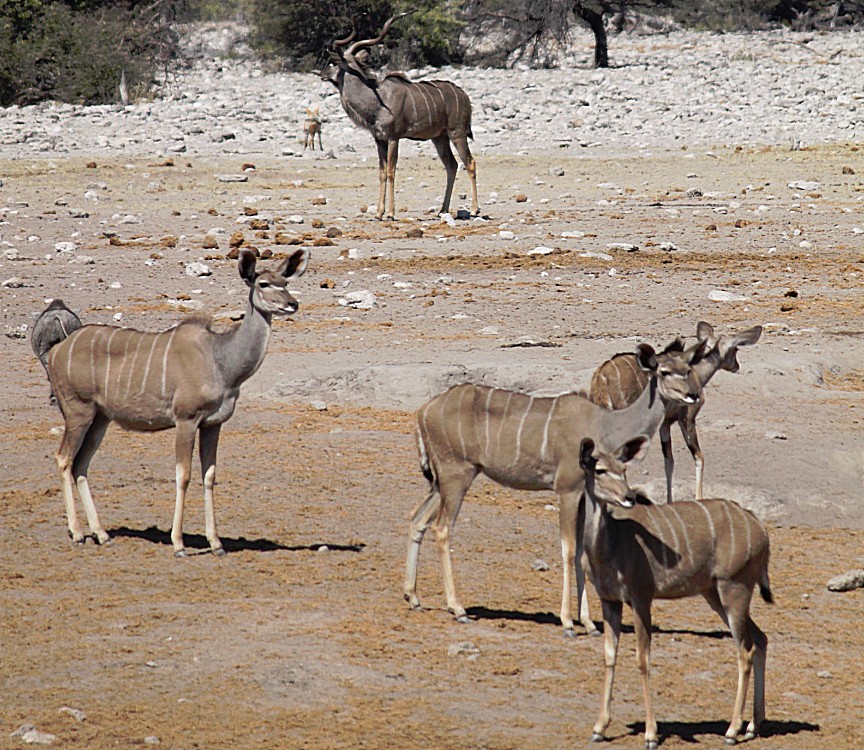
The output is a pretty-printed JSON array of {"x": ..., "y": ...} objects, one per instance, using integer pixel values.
[
  {"x": 527, "y": 443},
  {"x": 187, "y": 377},
  {"x": 394, "y": 107},
  {"x": 638, "y": 553},
  {"x": 618, "y": 382}
]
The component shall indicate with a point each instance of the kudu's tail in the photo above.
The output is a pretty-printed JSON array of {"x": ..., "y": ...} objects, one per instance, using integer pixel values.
[
  {"x": 765, "y": 585},
  {"x": 54, "y": 324}
]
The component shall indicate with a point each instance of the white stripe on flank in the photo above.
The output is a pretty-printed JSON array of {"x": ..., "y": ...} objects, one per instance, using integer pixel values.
[
  {"x": 139, "y": 338},
  {"x": 108, "y": 360},
  {"x": 731, "y": 533},
  {"x": 459, "y": 420},
  {"x": 93, "y": 359},
  {"x": 675, "y": 545},
  {"x": 147, "y": 366},
  {"x": 684, "y": 529},
  {"x": 165, "y": 360},
  {"x": 122, "y": 364},
  {"x": 488, "y": 398},
  {"x": 503, "y": 422},
  {"x": 710, "y": 520},
  {"x": 545, "y": 445},
  {"x": 442, "y": 421},
  {"x": 746, "y": 528},
  {"x": 521, "y": 427},
  {"x": 69, "y": 358}
]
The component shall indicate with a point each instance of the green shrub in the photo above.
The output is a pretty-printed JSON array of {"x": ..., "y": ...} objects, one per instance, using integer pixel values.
[
  {"x": 301, "y": 30},
  {"x": 53, "y": 51}
]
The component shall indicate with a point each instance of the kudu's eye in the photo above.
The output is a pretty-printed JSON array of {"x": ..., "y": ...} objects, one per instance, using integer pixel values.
[
  {"x": 263, "y": 284},
  {"x": 600, "y": 472}
]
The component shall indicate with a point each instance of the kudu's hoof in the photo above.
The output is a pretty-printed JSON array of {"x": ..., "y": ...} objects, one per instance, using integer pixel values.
[
  {"x": 730, "y": 741},
  {"x": 650, "y": 744},
  {"x": 569, "y": 632},
  {"x": 219, "y": 552},
  {"x": 463, "y": 619},
  {"x": 179, "y": 553},
  {"x": 749, "y": 735},
  {"x": 106, "y": 542},
  {"x": 595, "y": 633},
  {"x": 597, "y": 737}
]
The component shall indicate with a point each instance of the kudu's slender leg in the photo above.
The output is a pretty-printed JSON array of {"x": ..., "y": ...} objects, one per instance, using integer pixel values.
[
  {"x": 420, "y": 520},
  {"x": 568, "y": 509},
  {"x": 760, "y": 642},
  {"x": 468, "y": 160},
  {"x": 688, "y": 430},
  {"x": 611, "y": 634},
  {"x": 184, "y": 445},
  {"x": 382, "y": 177},
  {"x": 80, "y": 466},
  {"x": 392, "y": 158},
  {"x": 736, "y": 602},
  {"x": 451, "y": 166},
  {"x": 77, "y": 418},
  {"x": 452, "y": 487},
  {"x": 642, "y": 628},
  {"x": 668, "y": 457},
  {"x": 207, "y": 446}
]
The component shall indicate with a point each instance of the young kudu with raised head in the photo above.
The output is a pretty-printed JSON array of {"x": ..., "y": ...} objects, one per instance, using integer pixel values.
[
  {"x": 394, "y": 107},
  {"x": 618, "y": 382},
  {"x": 638, "y": 553},
  {"x": 187, "y": 377},
  {"x": 527, "y": 443}
]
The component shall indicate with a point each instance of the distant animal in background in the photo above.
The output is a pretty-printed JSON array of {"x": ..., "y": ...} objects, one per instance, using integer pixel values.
[
  {"x": 392, "y": 107},
  {"x": 311, "y": 127},
  {"x": 187, "y": 377},
  {"x": 618, "y": 382}
]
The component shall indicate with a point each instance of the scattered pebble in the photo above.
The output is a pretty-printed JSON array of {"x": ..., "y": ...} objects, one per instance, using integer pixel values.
[
  {"x": 854, "y": 579},
  {"x": 197, "y": 268},
  {"x": 75, "y": 713},
  {"x": 359, "y": 300},
  {"x": 540, "y": 565},
  {"x": 463, "y": 648}
]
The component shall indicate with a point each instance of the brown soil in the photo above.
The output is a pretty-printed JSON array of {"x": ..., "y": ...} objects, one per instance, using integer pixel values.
[{"x": 299, "y": 637}]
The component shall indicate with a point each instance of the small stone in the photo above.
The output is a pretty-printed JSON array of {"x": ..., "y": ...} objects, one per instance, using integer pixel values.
[
  {"x": 14, "y": 283},
  {"x": 319, "y": 201},
  {"x": 295, "y": 219},
  {"x": 75, "y": 713},
  {"x": 319, "y": 405},
  {"x": 91, "y": 165},
  {"x": 22, "y": 730},
  {"x": 539, "y": 566},
  {"x": 803, "y": 185},
  {"x": 448, "y": 219},
  {"x": 334, "y": 232},
  {"x": 237, "y": 239},
  {"x": 233, "y": 178},
  {"x": 327, "y": 284},
  {"x": 65, "y": 247},
  {"x": 359, "y": 300},
  {"x": 197, "y": 268},
  {"x": 152, "y": 740},
  {"x": 824, "y": 674},
  {"x": 209, "y": 242},
  {"x": 627, "y": 247},
  {"x": 506, "y": 234},
  {"x": 718, "y": 295},
  {"x": 248, "y": 167},
  {"x": 848, "y": 170},
  {"x": 854, "y": 579},
  {"x": 541, "y": 251},
  {"x": 596, "y": 256},
  {"x": 35, "y": 737},
  {"x": 117, "y": 317},
  {"x": 259, "y": 225},
  {"x": 464, "y": 647},
  {"x": 266, "y": 254},
  {"x": 520, "y": 198}
]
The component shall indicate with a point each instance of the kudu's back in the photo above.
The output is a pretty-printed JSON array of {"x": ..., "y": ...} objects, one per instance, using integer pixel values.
[
  {"x": 429, "y": 108},
  {"x": 618, "y": 382}
]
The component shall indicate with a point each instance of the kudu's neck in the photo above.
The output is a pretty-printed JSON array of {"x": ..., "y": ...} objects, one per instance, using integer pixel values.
[
  {"x": 239, "y": 352},
  {"x": 642, "y": 417},
  {"x": 708, "y": 365},
  {"x": 360, "y": 100}
]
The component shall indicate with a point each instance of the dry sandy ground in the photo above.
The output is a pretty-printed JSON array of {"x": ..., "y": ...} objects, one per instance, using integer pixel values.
[{"x": 299, "y": 636}]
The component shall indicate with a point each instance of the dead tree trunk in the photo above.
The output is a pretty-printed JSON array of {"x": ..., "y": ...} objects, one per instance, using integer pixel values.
[{"x": 594, "y": 19}]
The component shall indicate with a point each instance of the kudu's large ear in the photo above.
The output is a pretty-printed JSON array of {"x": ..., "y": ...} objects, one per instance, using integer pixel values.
[
  {"x": 586, "y": 455},
  {"x": 646, "y": 357},
  {"x": 697, "y": 352},
  {"x": 748, "y": 337},
  {"x": 674, "y": 347},
  {"x": 294, "y": 265},
  {"x": 704, "y": 331},
  {"x": 246, "y": 263},
  {"x": 633, "y": 451}
]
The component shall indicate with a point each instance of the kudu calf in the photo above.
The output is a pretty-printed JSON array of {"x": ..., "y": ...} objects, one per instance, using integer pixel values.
[
  {"x": 638, "y": 553},
  {"x": 527, "y": 443},
  {"x": 393, "y": 107},
  {"x": 618, "y": 382},
  {"x": 187, "y": 377}
]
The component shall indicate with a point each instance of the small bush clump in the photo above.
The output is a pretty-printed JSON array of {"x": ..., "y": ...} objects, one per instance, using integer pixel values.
[{"x": 77, "y": 51}]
